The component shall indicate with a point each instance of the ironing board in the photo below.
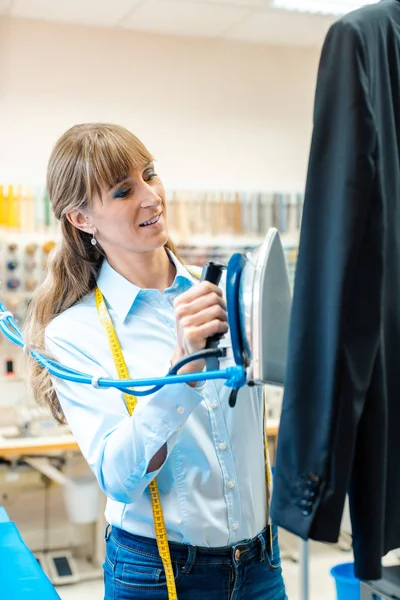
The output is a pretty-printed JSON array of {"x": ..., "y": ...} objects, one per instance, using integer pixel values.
[{"x": 21, "y": 577}]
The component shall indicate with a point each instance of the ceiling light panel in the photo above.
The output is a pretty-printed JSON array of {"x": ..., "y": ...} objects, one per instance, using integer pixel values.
[
  {"x": 327, "y": 7},
  {"x": 282, "y": 28}
]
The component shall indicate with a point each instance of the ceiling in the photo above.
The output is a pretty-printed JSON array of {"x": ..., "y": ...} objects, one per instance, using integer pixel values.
[{"x": 252, "y": 21}]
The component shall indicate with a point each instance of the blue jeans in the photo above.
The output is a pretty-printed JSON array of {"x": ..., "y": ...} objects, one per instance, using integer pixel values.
[{"x": 246, "y": 571}]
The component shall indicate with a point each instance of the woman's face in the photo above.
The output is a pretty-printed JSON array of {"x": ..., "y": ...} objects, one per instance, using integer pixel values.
[{"x": 131, "y": 215}]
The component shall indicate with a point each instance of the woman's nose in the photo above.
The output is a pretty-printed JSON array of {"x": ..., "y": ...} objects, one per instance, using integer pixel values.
[{"x": 149, "y": 197}]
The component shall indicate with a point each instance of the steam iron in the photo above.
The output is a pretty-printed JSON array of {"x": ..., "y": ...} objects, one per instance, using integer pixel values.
[{"x": 259, "y": 299}]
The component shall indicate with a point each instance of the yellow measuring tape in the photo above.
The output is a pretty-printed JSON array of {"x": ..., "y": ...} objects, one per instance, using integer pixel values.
[{"x": 131, "y": 402}]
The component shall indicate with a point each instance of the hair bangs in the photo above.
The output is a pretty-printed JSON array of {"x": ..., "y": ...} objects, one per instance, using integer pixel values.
[{"x": 110, "y": 156}]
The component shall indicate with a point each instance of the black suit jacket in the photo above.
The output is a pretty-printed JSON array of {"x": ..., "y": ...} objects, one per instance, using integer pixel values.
[{"x": 340, "y": 427}]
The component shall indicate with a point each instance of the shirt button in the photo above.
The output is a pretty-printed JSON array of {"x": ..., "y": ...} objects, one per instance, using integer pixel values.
[
  {"x": 231, "y": 484},
  {"x": 222, "y": 446},
  {"x": 213, "y": 405},
  {"x": 180, "y": 410},
  {"x": 234, "y": 526}
]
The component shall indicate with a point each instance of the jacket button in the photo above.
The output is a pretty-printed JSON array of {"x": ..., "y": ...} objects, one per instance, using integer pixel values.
[{"x": 306, "y": 503}]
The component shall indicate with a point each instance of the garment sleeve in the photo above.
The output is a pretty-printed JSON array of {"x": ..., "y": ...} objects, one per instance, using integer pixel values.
[
  {"x": 337, "y": 206},
  {"x": 118, "y": 447}
]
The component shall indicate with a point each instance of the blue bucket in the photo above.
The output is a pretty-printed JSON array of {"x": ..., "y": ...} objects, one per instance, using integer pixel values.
[{"x": 347, "y": 585}]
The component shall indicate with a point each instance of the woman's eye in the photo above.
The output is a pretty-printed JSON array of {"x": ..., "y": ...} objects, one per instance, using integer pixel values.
[
  {"x": 150, "y": 175},
  {"x": 122, "y": 192}
]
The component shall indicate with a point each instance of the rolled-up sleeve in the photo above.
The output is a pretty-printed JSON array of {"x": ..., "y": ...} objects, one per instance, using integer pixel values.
[{"x": 118, "y": 447}]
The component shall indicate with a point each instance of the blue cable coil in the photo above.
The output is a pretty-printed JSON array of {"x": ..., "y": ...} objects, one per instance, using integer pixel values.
[{"x": 235, "y": 376}]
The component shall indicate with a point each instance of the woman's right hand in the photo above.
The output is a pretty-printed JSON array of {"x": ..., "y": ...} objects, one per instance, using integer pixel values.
[{"x": 200, "y": 313}]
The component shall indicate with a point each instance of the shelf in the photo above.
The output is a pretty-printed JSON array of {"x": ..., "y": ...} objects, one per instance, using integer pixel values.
[{"x": 234, "y": 241}]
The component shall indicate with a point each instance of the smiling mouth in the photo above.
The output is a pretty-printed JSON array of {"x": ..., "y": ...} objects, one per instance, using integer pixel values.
[{"x": 151, "y": 221}]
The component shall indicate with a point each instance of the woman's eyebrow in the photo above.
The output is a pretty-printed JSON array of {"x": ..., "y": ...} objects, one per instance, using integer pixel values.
[
  {"x": 125, "y": 177},
  {"x": 119, "y": 180}
]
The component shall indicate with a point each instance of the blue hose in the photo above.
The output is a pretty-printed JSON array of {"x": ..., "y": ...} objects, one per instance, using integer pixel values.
[{"x": 235, "y": 376}]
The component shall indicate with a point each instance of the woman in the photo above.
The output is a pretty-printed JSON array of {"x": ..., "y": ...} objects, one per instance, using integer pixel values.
[{"x": 208, "y": 458}]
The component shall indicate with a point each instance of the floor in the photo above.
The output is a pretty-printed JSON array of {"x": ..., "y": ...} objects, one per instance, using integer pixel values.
[{"x": 321, "y": 584}]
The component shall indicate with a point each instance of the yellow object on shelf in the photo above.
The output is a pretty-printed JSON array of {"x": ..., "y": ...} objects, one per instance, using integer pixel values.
[
  {"x": 10, "y": 217},
  {"x": 48, "y": 246},
  {"x": 27, "y": 218},
  {"x": 2, "y": 207},
  {"x": 10, "y": 210}
]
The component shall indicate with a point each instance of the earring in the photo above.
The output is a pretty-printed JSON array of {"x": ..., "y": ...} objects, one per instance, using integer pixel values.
[{"x": 93, "y": 241}]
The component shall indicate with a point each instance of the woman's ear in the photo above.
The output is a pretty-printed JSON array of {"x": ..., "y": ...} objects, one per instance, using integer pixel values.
[{"x": 79, "y": 220}]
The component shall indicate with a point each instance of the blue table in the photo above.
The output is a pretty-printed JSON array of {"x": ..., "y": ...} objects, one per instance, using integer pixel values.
[{"x": 21, "y": 576}]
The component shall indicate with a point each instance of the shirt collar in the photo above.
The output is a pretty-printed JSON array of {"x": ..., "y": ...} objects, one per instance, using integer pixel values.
[
  {"x": 182, "y": 272},
  {"x": 118, "y": 291},
  {"x": 121, "y": 293}
]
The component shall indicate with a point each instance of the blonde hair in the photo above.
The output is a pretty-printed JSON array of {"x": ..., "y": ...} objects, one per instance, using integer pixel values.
[{"x": 85, "y": 160}]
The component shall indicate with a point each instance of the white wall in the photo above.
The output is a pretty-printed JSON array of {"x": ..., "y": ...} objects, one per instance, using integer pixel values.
[{"x": 216, "y": 114}]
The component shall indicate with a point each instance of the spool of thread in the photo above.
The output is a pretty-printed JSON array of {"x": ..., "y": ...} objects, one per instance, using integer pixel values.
[
  {"x": 30, "y": 284},
  {"x": 31, "y": 249},
  {"x": 48, "y": 246},
  {"x": 12, "y": 265},
  {"x": 30, "y": 265},
  {"x": 13, "y": 284}
]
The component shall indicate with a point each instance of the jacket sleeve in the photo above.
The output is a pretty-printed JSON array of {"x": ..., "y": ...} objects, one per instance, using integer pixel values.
[
  {"x": 118, "y": 447},
  {"x": 341, "y": 175}
]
